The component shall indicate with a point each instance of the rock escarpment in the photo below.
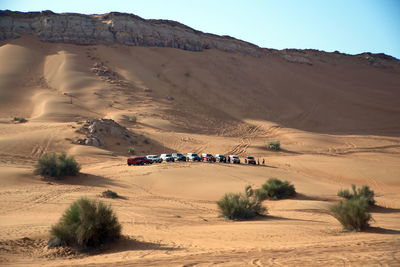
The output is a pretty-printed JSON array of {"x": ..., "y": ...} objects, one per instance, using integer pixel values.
[
  {"x": 126, "y": 29},
  {"x": 129, "y": 29}
]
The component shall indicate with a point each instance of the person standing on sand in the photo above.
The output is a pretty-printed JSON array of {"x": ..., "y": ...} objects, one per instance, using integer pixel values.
[
  {"x": 263, "y": 162},
  {"x": 258, "y": 161}
]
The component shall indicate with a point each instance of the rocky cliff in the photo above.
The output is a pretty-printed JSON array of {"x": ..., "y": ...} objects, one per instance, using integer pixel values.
[
  {"x": 115, "y": 27},
  {"x": 129, "y": 29}
]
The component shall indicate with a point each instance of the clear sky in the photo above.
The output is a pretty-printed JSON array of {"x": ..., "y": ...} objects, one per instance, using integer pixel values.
[{"x": 349, "y": 26}]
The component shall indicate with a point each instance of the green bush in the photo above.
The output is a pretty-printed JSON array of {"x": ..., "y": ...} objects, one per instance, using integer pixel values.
[
  {"x": 87, "y": 223},
  {"x": 241, "y": 206},
  {"x": 274, "y": 145},
  {"x": 132, "y": 118},
  {"x": 277, "y": 189},
  {"x": 57, "y": 166},
  {"x": 20, "y": 119},
  {"x": 352, "y": 213},
  {"x": 109, "y": 194},
  {"x": 131, "y": 151},
  {"x": 364, "y": 192}
]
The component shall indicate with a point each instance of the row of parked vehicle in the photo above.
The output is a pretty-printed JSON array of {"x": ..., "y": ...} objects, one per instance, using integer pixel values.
[{"x": 150, "y": 159}]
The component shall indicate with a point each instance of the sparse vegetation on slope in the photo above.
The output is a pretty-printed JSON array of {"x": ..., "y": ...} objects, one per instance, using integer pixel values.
[
  {"x": 87, "y": 223},
  {"x": 131, "y": 151},
  {"x": 277, "y": 189},
  {"x": 274, "y": 145},
  {"x": 241, "y": 206},
  {"x": 20, "y": 119},
  {"x": 352, "y": 213},
  {"x": 109, "y": 194},
  {"x": 357, "y": 193},
  {"x": 57, "y": 165},
  {"x": 132, "y": 118}
]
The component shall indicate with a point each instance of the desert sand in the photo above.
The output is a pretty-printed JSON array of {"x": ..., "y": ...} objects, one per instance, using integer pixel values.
[{"x": 338, "y": 123}]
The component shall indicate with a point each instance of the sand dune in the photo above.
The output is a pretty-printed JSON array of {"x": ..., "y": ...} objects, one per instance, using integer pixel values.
[{"x": 337, "y": 120}]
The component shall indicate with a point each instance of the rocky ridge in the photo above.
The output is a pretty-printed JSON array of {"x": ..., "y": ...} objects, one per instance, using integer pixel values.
[
  {"x": 114, "y": 27},
  {"x": 129, "y": 29}
]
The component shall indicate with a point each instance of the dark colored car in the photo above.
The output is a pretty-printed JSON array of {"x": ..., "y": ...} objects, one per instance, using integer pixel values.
[
  {"x": 139, "y": 161},
  {"x": 207, "y": 157},
  {"x": 192, "y": 157},
  {"x": 178, "y": 157},
  {"x": 250, "y": 160},
  {"x": 220, "y": 158}
]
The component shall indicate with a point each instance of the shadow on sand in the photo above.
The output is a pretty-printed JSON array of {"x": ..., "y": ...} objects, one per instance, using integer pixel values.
[
  {"x": 379, "y": 209},
  {"x": 384, "y": 231},
  {"x": 277, "y": 218},
  {"x": 127, "y": 243},
  {"x": 84, "y": 179},
  {"x": 300, "y": 196}
]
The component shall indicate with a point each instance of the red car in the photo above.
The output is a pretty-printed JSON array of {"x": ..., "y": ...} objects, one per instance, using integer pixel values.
[
  {"x": 250, "y": 160},
  {"x": 139, "y": 161},
  {"x": 207, "y": 157}
]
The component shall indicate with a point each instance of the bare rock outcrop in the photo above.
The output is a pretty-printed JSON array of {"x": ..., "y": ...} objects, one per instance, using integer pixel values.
[
  {"x": 129, "y": 29},
  {"x": 97, "y": 130},
  {"x": 115, "y": 27}
]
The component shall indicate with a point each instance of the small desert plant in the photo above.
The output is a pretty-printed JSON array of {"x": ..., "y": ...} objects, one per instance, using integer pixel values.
[
  {"x": 132, "y": 118},
  {"x": 131, "y": 151},
  {"x": 20, "y": 119},
  {"x": 274, "y": 145},
  {"x": 241, "y": 206},
  {"x": 187, "y": 74},
  {"x": 277, "y": 189},
  {"x": 352, "y": 213},
  {"x": 87, "y": 223},
  {"x": 57, "y": 165},
  {"x": 146, "y": 141},
  {"x": 364, "y": 191},
  {"x": 109, "y": 194}
]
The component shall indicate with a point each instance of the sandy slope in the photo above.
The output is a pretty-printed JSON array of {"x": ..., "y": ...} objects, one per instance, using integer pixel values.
[{"x": 338, "y": 123}]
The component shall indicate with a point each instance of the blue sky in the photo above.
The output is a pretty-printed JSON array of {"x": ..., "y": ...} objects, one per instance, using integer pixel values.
[{"x": 351, "y": 26}]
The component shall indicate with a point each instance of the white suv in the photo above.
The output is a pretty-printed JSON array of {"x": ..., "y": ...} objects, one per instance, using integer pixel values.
[
  {"x": 167, "y": 157},
  {"x": 155, "y": 158},
  {"x": 233, "y": 159}
]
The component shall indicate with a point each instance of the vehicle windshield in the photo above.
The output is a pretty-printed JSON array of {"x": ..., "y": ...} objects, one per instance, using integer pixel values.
[
  {"x": 249, "y": 157},
  {"x": 221, "y": 156},
  {"x": 235, "y": 157},
  {"x": 195, "y": 155},
  {"x": 168, "y": 155},
  {"x": 179, "y": 155},
  {"x": 151, "y": 156},
  {"x": 209, "y": 155}
]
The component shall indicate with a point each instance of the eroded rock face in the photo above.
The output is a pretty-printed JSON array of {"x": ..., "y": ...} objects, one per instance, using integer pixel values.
[
  {"x": 97, "y": 130},
  {"x": 115, "y": 27},
  {"x": 128, "y": 29}
]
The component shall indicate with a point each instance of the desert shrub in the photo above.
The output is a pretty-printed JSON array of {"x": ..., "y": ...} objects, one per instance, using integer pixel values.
[
  {"x": 277, "y": 189},
  {"x": 364, "y": 192},
  {"x": 132, "y": 118},
  {"x": 187, "y": 74},
  {"x": 274, "y": 145},
  {"x": 241, "y": 206},
  {"x": 87, "y": 223},
  {"x": 57, "y": 165},
  {"x": 109, "y": 194},
  {"x": 20, "y": 119},
  {"x": 131, "y": 151},
  {"x": 146, "y": 141},
  {"x": 352, "y": 213}
]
